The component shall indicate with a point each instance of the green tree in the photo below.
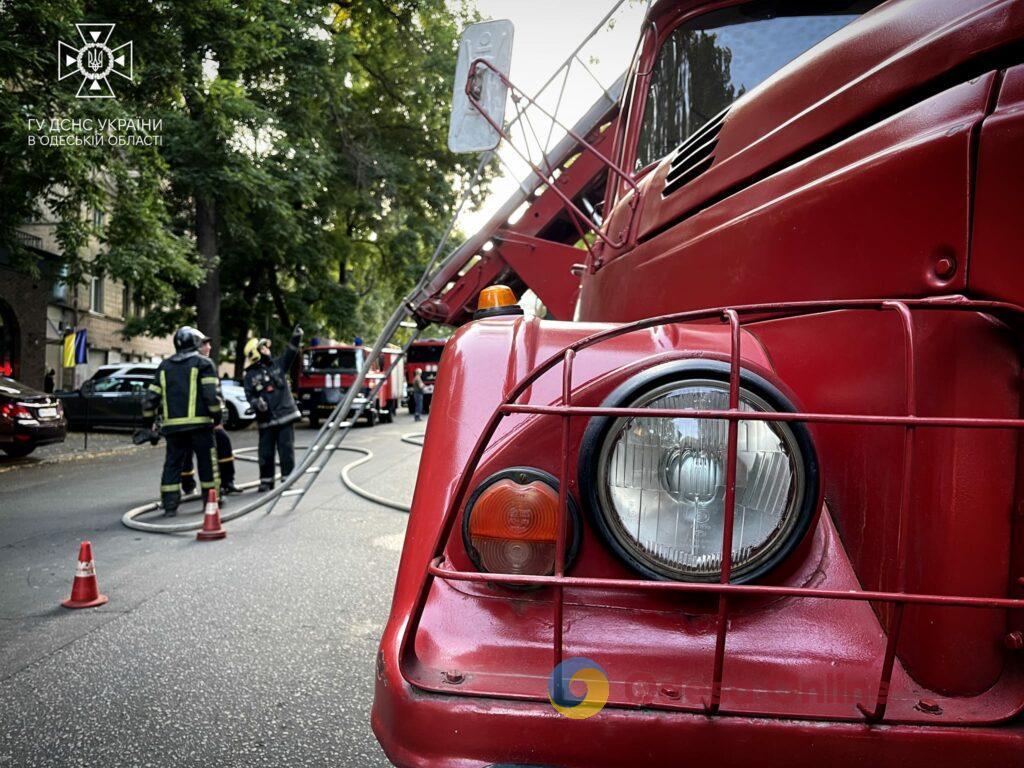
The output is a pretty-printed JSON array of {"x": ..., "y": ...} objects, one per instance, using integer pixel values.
[
  {"x": 66, "y": 181},
  {"x": 303, "y": 174}
]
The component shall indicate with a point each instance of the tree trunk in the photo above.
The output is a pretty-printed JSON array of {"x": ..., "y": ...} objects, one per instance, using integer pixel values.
[
  {"x": 248, "y": 297},
  {"x": 208, "y": 292},
  {"x": 282, "y": 310},
  {"x": 240, "y": 339}
]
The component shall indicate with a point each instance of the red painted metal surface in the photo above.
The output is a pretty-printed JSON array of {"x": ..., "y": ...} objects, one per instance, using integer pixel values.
[
  {"x": 849, "y": 191},
  {"x": 868, "y": 217},
  {"x": 995, "y": 268},
  {"x": 481, "y": 630},
  {"x": 890, "y": 55}
]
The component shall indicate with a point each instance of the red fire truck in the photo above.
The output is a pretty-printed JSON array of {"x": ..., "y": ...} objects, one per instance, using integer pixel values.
[
  {"x": 327, "y": 370},
  {"x": 763, "y": 502},
  {"x": 424, "y": 355}
]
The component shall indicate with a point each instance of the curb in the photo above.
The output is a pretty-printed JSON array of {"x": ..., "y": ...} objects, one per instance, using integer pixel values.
[{"x": 27, "y": 462}]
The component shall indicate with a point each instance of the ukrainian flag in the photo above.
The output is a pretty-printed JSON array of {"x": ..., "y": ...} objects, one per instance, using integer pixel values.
[
  {"x": 69, "y": 350},
  {"x": 76, "y": 349}
]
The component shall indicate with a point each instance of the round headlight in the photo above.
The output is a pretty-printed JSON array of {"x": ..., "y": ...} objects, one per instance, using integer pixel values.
[{"x": 657, "y": 485}]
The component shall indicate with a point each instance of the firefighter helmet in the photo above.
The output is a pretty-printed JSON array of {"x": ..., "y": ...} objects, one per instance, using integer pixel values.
[
  {"x": 252, "y": 349},
  {"x": 188, "y": 339}
]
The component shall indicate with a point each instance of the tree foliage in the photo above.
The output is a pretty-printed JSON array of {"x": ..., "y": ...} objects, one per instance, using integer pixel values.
[{"x": 308, "y": 138}]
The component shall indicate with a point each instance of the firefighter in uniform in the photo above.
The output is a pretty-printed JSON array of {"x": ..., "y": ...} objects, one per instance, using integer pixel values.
[
  {"x": 187, "y": 392},
  {"x": 225, "y": 454},
  {"x": 270, "y": 395}
]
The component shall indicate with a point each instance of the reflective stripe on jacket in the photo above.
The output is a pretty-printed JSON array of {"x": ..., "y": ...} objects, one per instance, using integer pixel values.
[{"x": 186, "y": 392}]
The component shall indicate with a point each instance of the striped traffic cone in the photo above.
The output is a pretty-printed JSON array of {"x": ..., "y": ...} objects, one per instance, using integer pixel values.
[
  {"x": 212, "y": 528},
  {"x": 85, "y": 591}
]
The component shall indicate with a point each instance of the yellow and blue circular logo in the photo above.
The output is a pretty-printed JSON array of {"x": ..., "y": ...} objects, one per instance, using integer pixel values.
[{"x": 583, "y": 671}]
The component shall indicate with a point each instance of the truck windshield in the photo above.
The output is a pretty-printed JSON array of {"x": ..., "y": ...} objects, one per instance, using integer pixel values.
[
  {"x": 707, "y": 63},
  {"x": 428, "y": 353},
  {"x": 333, "y": 360}
]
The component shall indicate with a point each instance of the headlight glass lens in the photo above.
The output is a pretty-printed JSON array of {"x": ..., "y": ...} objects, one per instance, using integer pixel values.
[{"x": 662, "y": 484}]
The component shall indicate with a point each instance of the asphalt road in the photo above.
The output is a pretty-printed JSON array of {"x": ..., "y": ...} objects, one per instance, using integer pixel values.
[{"x": 250, "y": 651}]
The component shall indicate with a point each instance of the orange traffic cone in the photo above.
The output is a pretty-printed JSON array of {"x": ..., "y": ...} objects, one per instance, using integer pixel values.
[
  {"x": 85, "y": 591},
  {"x": 211, "y": 522}
]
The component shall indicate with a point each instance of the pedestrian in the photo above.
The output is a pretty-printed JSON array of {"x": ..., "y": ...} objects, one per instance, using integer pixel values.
[
  {"x": 48, "y": 381},
  {"x": 269, "y": 393},
  {"x": 418, "y": 389},
  {"x": 225, "y": 452},
  {"x": 187, "y": 391}
]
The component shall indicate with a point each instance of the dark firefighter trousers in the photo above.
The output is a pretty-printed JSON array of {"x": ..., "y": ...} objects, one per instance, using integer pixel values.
[
  {"x": 225, "y": 463},
  {"x": 282, "y": 438},
  {"x": 180, "y": 445}
]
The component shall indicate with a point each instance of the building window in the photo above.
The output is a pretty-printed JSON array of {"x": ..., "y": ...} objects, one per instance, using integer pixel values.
[
  {"x": 126, "y": 302},
  {"x": 96, "y": 294},
  {"x": 60, "y": 285},
  {"x": 99, "y": 217}
]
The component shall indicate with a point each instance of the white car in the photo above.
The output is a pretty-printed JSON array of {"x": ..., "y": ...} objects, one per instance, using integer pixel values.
[{"x": 239, "y": 413}]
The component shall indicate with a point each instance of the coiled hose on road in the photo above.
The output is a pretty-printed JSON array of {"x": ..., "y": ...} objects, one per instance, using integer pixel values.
[
  {"x": 412, "y": 438},
  {"x": 328, "y": 439}
]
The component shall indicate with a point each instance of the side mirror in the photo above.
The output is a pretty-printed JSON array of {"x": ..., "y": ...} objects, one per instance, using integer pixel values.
[
  {"x": 88, "y": 387},
  {"x": 469, "y": 131}
]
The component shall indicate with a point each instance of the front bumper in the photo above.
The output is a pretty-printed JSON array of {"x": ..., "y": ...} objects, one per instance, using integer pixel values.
[
  {"x": 318, "y": 405},
  {"x": 424, "y": 730}
]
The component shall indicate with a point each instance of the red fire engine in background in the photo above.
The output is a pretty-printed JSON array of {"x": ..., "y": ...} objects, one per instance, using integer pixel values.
[
  {"x": 764, "y": 499},
  {"x": 326, "y": 371},
  {"x": 424, "y": 355}
]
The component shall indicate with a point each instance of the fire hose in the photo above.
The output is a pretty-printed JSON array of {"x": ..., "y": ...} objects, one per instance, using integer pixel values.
[
  {"x": 346, "y": 478},
  {"x": 367, "y": 455},
  {"x": 325, "y": 438}
]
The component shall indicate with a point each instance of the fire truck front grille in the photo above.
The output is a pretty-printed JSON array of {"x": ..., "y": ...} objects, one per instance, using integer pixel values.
[{"x": 873, "y": 707}]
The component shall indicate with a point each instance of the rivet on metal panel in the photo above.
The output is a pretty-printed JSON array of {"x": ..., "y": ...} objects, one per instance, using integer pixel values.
[
  {"x": 945, "y": 267},
  {"x": 453, "y": 677},
  {"x": 929, "y": 706},
  {"x": 1014, "y": 641},
  {"x": 669, "y": 692}
]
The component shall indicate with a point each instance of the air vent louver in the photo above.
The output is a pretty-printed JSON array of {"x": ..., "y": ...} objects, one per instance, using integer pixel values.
[{"x": 695, "y": 155}]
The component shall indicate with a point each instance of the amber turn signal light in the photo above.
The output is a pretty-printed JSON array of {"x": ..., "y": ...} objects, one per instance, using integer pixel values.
[{"x": 512, "y": 527}]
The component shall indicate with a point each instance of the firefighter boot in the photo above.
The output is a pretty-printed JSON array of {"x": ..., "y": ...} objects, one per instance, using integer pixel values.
[{"x": 169, "y": 501}]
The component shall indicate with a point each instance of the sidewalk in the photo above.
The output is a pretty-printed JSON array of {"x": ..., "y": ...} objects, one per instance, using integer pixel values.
[{"x": 74, "y": 447}]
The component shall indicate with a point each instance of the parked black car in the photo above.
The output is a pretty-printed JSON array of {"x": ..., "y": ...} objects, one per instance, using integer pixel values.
[
  {"x": 114, "y": 401},
  {"x": 28, "y": 418}
]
